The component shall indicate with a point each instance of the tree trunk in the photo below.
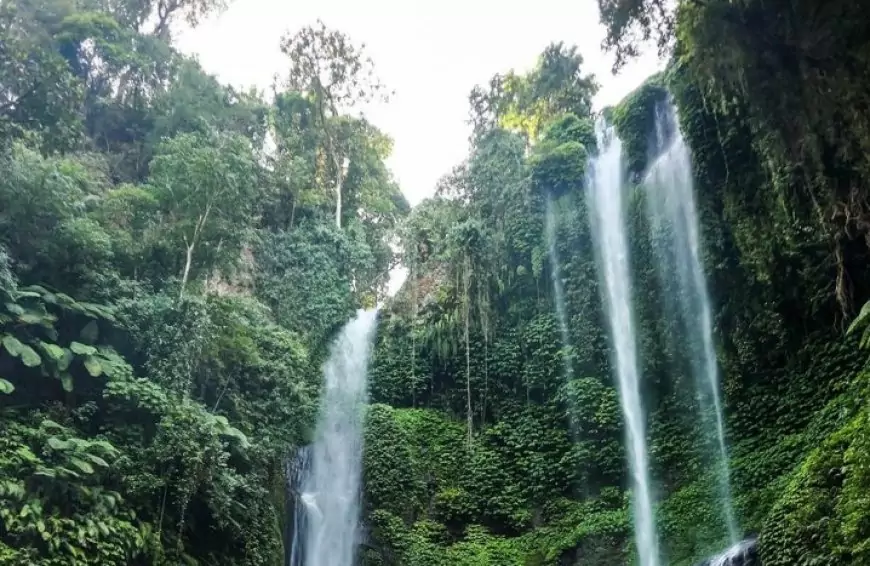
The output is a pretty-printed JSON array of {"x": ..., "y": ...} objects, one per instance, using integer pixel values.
[
  {"x": 338, "y": 199},
  {"x": 340, "y": 168},
  {"x": 468, "y": 352},
  {"x": 413, "y": 277},
  {"x": 186, "y": 274}
]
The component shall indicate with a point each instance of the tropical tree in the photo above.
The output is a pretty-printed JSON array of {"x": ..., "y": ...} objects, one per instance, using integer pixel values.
[
  {"x": 207, "y": 187},
  {"x": 335, "y": 75}
]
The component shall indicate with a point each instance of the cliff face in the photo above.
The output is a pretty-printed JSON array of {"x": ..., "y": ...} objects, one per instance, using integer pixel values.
[{"x": 779, "y": 183}]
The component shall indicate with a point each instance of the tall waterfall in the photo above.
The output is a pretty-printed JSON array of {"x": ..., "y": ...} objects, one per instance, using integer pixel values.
[
  {"x": 607, "y": 217},
  {"x": 329, "y": 493},
  {"x": 558, "y": 288},
  {"x": 671, "y": 201}
]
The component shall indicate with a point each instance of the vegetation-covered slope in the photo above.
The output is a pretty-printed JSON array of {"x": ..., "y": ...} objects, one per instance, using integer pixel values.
[
  {"x": 769, "y": 98},
  {"x": 168, "y": 281},
  {"x": 175, "y": 254}
]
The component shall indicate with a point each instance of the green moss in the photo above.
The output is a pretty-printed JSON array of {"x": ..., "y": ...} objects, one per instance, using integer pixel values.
[
  {"x": 822, "y": 517},
  {"x": 634, "y": 119}
]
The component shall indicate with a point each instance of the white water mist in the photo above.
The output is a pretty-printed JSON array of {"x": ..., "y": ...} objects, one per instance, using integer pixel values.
[
  {"x": 671, "y": 202},
  {"x": 331, "y": 489},
  {"x": 607, "y": 217},
  {"x": 558, "y": 289}
]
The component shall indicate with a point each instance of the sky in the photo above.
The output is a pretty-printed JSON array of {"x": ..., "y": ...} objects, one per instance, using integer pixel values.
[{"x": 431, "y": 54}]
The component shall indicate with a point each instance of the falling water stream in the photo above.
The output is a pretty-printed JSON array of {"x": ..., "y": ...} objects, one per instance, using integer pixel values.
[
  {"x": 329, "y": 493},
  {"x": 671, "y": 202},
  {"x": 607, "y": 213},
  {"x": 558, "y": 288}
]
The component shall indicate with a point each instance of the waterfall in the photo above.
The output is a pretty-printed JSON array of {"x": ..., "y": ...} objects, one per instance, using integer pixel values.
[
  {"x": 744, "y": 553},
  {"x": 671, "y": 202},
  {"x": 558, "y": 289},
  {"x": 607, "y": 212},
  {"x": 295, "y": 470},
  {"x": 329, "y": 493}
]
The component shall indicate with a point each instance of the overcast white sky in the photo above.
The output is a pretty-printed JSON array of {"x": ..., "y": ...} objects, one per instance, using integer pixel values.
[{"x": 431, "y": 54}]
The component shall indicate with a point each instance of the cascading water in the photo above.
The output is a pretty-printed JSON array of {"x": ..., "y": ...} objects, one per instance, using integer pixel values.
[
  {"x": 558, "y": 287},
  {"x": 608, "y": 227},
  {"x": 296, "y": 469},
  {"x": 744, "y": 553},
  {"x": 330, "y": 490},
  {"x": 671, "y": 202}
]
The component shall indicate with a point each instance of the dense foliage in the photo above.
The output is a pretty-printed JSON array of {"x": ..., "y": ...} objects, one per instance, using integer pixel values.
[
  {"x": 772, "y": 108},
  {"x": 175, "y": 255},
  {"x": 168, "y": 280}
]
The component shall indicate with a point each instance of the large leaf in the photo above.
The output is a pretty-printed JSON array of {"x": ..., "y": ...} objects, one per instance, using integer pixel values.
[
  {"x": 33, "y": 290},
  {"x": 29, "y": 357},
  {"x": 65, "y": 360},
  {"x": 37, "y": 318},
  {"x": 6, "y": 386},
  {"x": 93, "y": 366},
  {"x": 82, "y": 465},
  {"x": 49, "y": 424},
  {"x": 82, "y": 349},
  {"x": 58, "y": 443},
  {"x": 97, "y": 460},
  {"x": 66, "y": 381},
  {"x": 53, "y": 350},
  {"x": 861, "y": 320},
  {"x": 25, "y": 294},
  {"x": 13, "y": 345},
  {"x": 15, "y": 308}
]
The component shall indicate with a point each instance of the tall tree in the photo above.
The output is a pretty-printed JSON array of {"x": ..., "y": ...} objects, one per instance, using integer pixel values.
[
  {"x": 207, "y": 187},
  {"x": 524, "y": 103},
  {"x": 337, "y": 75}
]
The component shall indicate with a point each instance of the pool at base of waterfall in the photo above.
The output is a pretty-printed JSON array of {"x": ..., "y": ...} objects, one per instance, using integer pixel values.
[{"x": 744, "y": 553}]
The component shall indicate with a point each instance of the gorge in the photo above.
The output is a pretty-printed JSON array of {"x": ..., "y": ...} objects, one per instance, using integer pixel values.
[{"x": 629, "y": 335}]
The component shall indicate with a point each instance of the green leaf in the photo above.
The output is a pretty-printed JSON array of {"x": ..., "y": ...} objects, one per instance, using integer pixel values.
[
  {"x": 64, "y": 362},
  {"x": 58, "y": 444},
  {"x": 37, "y": 318},
  {"x": 98, "y": 461},
  {"x": 82, "y": 465},
  {"x": 37, "y": 289},
  {"x": 25, "y": 295},
  {"x": 861, "y": 320},
  {"x": 53, "y": 350},
  {"x": 27, "y": 454},
  {"x": 14, "y": 308},
  {"x": 93, "y": 366},
  {"x": 82, "y": 349},
  {"x": 29, "y": 357},
  {"x": 49, "y": 424},
  {"x": 66, "y": 381},
  {"x": 13, "y": 345},
  {"x": 90, "y": 332},
  {"x": 6, "y": 386}
]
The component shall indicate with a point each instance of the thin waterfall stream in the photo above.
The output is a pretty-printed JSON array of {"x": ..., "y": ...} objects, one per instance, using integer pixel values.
[
  {"x": 674, "y": 216},
  {"x": 607, "y": 217},
  {"x": 330, "y": 481},
  {"x": 558, "y": 288}
]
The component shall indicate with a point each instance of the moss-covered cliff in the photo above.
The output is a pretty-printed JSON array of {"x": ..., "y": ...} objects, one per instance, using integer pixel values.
[{"x": 502, "y": 445}]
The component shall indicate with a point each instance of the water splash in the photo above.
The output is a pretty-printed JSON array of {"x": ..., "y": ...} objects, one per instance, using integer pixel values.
[
  {"x": 743, "y": 553},
  {"x": 607, "y": 212},
  {"x": 671, "y": 202},
  {"x": 330, "y": 490},
  {"x": 558, "y": 288}
]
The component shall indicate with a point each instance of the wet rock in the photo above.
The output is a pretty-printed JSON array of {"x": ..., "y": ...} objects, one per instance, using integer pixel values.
[{"x": 744, "y": 553}]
